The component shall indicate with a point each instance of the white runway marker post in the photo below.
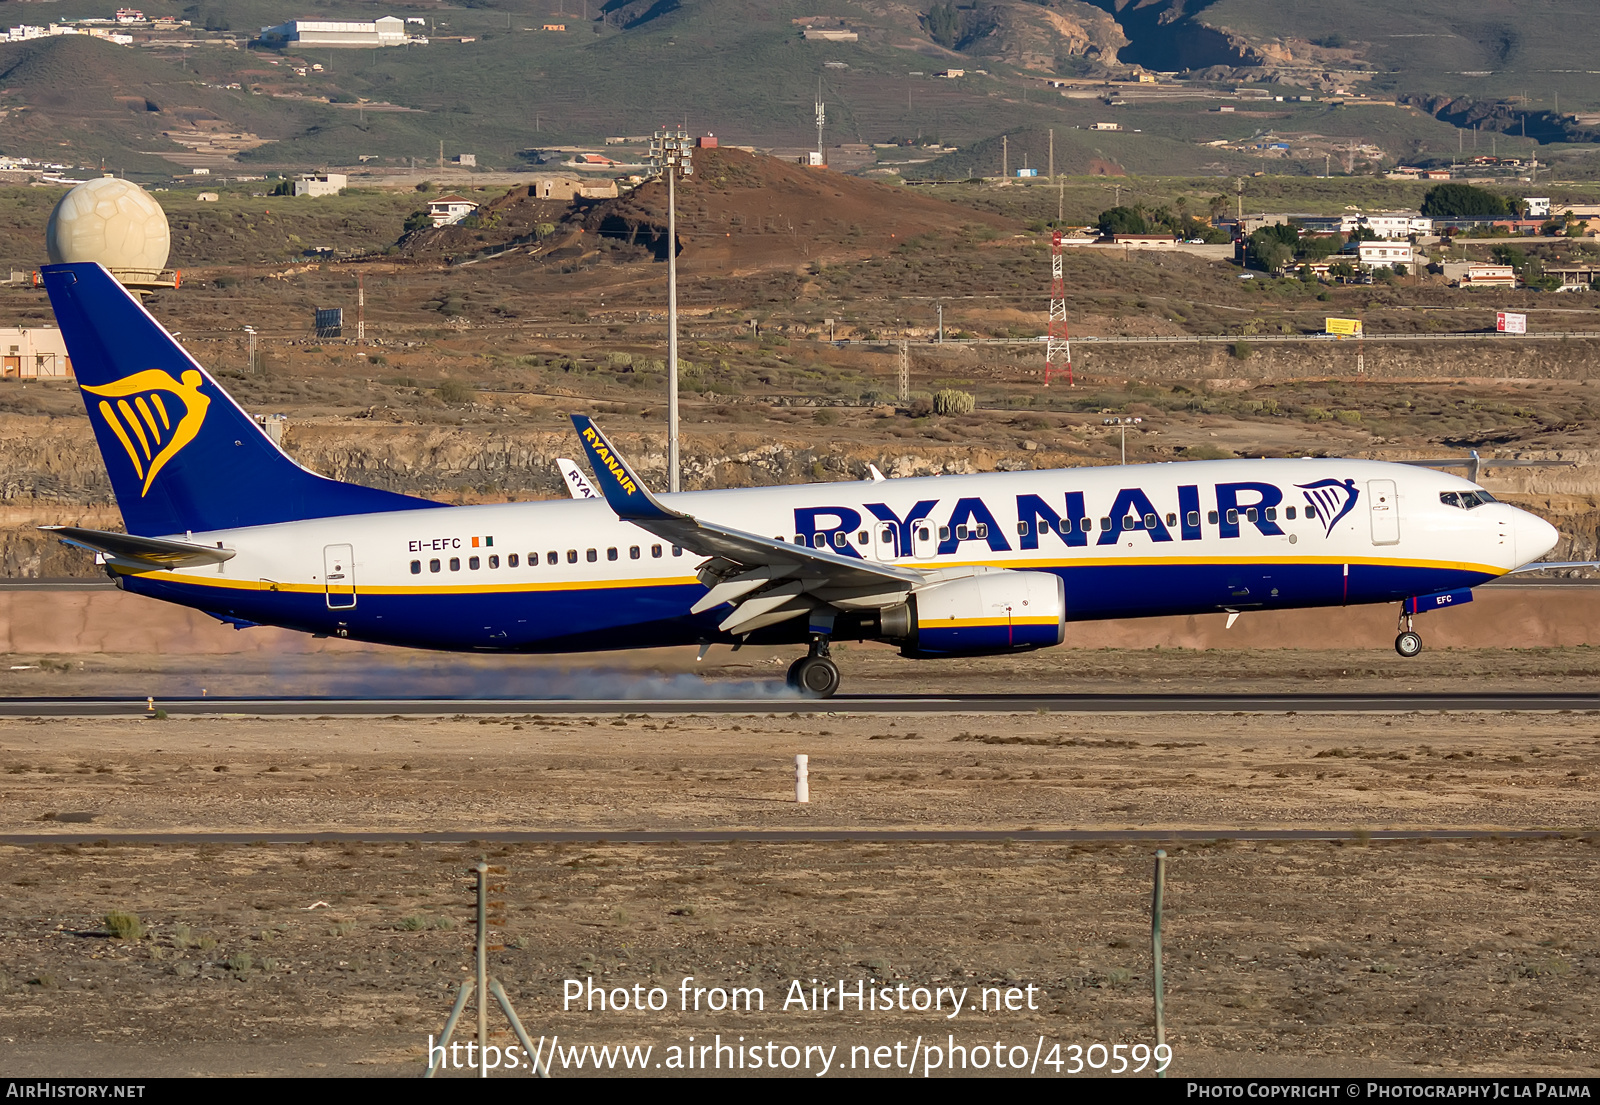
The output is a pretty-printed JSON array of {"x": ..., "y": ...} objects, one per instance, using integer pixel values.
[{"x": 802, "y": 782}]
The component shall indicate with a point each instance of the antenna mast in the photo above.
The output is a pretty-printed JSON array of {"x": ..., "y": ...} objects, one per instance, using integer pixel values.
[
  {"x": 1058, "y": 352},
  {"x": 822, "y": 117}
]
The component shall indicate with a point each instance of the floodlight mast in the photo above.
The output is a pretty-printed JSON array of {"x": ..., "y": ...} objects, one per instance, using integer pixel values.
[{"x": 671, "y": 153}]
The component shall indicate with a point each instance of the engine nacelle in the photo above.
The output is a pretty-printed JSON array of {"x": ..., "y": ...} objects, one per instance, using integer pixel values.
[{"x": 992, "y": 611}]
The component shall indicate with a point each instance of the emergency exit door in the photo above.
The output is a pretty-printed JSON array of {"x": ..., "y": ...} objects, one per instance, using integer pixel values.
[
  {"x": 339, "y": 576},
  {"x": 1383, "y": 505}
]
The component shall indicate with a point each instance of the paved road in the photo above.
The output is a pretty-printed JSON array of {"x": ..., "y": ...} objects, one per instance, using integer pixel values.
[
  {"x": 842, "y": 704},
  {"x": 799, "y": 836}
]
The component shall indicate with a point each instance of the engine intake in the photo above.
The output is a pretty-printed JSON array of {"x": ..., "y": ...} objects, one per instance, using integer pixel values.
[{"x": 995, "y": 611}]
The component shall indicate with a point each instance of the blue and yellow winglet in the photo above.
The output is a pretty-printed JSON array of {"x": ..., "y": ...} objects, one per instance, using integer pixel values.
[{"x": 623, "y": 490}]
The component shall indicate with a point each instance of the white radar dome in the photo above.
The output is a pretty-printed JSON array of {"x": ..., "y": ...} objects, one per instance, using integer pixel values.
[{"x": 112, "y": 221}]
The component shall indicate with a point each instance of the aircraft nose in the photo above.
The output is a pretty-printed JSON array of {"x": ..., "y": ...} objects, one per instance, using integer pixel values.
[{"x": 1534, "y": 537}]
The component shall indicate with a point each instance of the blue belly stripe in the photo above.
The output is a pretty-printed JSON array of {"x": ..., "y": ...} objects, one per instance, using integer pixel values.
[{"x": 604, "y": 618}]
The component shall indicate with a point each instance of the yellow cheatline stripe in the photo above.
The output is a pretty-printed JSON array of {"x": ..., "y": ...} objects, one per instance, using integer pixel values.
[
  {"x": 1228, "y": 561},
  {"x": 317, "y": 588},
  {"x": 945, "y": 623},
  {"x": 122, "y": 435}
]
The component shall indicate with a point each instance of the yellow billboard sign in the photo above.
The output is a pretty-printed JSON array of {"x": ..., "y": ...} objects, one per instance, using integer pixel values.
[{"x": 1347, "y": 327}]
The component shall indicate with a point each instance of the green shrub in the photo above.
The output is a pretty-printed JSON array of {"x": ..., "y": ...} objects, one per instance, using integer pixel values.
[
  {"x": 1241, "y": 350},
  {"x": 124, "y": 926},
  {"x": 949, "y": 401},
  {"x": 455, "y": 392}
]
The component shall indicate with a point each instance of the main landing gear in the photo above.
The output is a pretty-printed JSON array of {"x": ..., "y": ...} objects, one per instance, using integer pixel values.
[
  {"x": 1409, "y": 642},
  {"x": 815, "y": 675}
]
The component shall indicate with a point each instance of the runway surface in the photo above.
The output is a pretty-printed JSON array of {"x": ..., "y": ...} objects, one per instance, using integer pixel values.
[
  {"x": 795, "y": 836},
  {"x": 780, "y": 702}
]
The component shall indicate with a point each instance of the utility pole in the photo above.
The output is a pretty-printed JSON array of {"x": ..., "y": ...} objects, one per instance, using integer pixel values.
[
  {"x": 1052, "y": 153},
  {"x": 361, "y": 309},
  {"x": 1005, "y": 156},
  {"x": 941, "y": 324},
  {"x": 905, "y": 372},
  {"x": 441, "y": 154},
  {"x": 671, "y": 154},
  {"x": 1238, "y": 187}
]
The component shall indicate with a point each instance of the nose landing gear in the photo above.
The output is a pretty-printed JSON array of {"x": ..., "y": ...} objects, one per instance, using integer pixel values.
[
  {"x": 1409, "y": 642},
  {"x": 815, "y": 675}
]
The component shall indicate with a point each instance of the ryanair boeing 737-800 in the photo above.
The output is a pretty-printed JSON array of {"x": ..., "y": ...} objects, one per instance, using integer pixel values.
[{"x": 220, "y": 519}]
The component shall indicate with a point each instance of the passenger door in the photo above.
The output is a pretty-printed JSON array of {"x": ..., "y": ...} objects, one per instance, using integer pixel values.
[
  {"x": 339, "y": 576},
  {"x": 1383, "y": 504}
]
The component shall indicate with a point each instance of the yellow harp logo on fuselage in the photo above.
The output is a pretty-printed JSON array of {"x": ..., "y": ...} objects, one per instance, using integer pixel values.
[{"x": 153, "y": 415}]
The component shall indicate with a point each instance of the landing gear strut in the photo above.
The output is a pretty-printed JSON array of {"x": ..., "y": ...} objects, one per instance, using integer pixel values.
[
  {"x": 1409, "y": 642},
  {"x": 815, "y": 674}
]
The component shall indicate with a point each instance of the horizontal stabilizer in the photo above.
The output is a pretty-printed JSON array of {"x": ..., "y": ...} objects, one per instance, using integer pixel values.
[{"x": 155, "y": 551}]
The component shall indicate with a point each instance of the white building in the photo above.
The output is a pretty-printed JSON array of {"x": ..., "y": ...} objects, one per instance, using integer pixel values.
[
  {"x": 33, "y": 353},
  {"x": 320, "y": 184},
  {"x": 387, "y": 31},
  {"x": 449, "y": 210},
  {"x": 1538, "y": 206},
  {"x": 1384, "y": 254},
  {"x": 1105, "y": 126}
]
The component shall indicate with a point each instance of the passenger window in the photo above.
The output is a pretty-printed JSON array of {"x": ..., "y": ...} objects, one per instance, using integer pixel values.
[
  {"x": 1272, "y": 514},
  {"x": 1172, "y": 519},
  {"x": 922, "y": 535},
  {"x": 862, "y": 537},
  {"x": 473, "y": 563},
  {"x": 800, "y": 539},
  {"x": 1212, "y": 517},
  {"x": 1105, "y": 524},
  {"x": 1086, "y": 525},
  {"x": 513, "y": 561},
  {"x": 494, "y": 562},
  {"x": 433, "y": 565},
  {"x": 944, "y": 533},
  {"x": 1065, "y": 526},
  {"x": 1130, "y": 522},
  {"x": 961, "y": 533},
  {"x": 1193, "y": 518},
  {"x": 1311, "y": 511},
  {"x": 591, "y": 555},
  {"x": 572, "y": 556},
  {"x": 655, "y": 550},
  {"x": 1288, "y": 513},
  {"x": 840, "y": 539},
  {"x": 1250, "y": 514},
  {"x": 551, "y": 557},
  {"x": 676, "y": 551},
  {"x": 983, "y": 530},
  {"x": 1022, "y": 529},
  {"x": 818, "y": 540},
  {"x": 611, "y": 554},
  {"x": 455, "y": 563},
  {"x": 1151, "y": 521},
  {"x": 633, "y": 552},
  {"x": 1233, "y": 517},
  {"x": 416, "y": 567}
]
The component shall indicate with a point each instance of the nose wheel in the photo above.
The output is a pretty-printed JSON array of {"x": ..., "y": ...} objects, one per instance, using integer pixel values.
[
  {"x": 815, "y": 675},
  {"x": 1409, "y": 642}
]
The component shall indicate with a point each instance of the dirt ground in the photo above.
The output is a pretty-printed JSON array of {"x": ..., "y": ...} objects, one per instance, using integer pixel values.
[{"x": 1281, "y": 958}]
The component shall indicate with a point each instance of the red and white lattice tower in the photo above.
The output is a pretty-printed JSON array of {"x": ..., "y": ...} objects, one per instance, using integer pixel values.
[{"x": 1057, "y": 351}]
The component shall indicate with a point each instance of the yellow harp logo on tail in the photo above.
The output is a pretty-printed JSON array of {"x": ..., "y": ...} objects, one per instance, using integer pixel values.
[{"x": 153, "y": 415}]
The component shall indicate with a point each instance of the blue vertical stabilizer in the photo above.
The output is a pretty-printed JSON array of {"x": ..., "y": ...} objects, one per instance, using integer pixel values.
[{"x": 181, "y": 454}]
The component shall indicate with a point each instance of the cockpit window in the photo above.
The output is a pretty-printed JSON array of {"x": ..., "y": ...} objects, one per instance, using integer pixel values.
[{"x": 1465, "y": 500}]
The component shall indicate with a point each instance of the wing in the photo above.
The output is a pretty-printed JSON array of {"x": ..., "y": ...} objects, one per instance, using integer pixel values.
[
  {"x": 149, "y": 551},
  {"x": 577, "y": 483},
  {"x": 767, "y": 581},
  {"x": 1553, "y": 565}
]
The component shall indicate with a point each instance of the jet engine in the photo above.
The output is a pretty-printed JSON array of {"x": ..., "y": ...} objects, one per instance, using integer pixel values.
[{"x": 987, "y": 612}]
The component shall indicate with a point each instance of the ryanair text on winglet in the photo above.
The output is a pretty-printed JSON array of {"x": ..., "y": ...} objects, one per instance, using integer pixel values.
[{"x": 612, "y": 465}]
